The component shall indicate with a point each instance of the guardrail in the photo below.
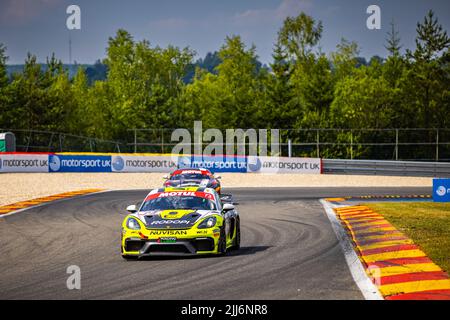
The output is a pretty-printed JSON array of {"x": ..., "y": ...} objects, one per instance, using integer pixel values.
[{"x": 387, "y": 168}]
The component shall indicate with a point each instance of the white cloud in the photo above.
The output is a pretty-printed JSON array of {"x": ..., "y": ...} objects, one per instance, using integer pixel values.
[
  {"x": 264, "y": 15},
  {"x": 22, "y": 11}
]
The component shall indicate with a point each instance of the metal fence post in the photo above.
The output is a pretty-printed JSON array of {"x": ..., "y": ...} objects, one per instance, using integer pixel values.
[
  {"x": 437, "y": 144},
  {"x": 396, "y": 144},
  {"x": 318, "y": 143},
  {"x": 351, "y": 144},
  {"x": 135, "y": 140},
  {"x": 289, "y": 148},
  {"x": 162, "y": 141}
]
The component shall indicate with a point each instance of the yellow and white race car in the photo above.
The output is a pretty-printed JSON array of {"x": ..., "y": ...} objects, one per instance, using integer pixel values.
[{"x": 180, "y": 221}]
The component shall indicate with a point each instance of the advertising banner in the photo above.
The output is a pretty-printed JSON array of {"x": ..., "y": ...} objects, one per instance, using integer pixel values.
[
  {"x": 79, "y": 163},
  {"x": 284, "y": 165},
  {"x": 214, "y": 163},
  {"x": 441, "y": 190},
  {"x": 23, "y": 162},
  {"x": 143, "y": 163}
]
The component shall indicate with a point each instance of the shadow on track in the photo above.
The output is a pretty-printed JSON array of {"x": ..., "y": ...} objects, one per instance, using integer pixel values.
[{"x": 243, "y": 251}]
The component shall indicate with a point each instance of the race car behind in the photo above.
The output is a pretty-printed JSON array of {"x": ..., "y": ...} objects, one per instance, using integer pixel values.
[{"x": 193, "y": 177}]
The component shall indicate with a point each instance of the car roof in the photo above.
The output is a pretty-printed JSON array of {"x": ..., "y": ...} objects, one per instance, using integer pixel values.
[{"x": 191, "y": 170}]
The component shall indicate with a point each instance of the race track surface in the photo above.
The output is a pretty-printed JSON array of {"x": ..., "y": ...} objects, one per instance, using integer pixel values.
[{"x": 289, "y": 251}]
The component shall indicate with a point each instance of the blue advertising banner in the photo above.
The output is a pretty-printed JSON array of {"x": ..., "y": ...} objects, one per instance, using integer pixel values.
[
  {"x": 81, "y": 163},
  {"x": 214, "y": 163},
  {"x": 441, "y": 190}
]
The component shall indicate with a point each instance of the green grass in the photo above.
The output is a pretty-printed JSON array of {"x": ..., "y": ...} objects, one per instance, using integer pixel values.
[{"x": 426, "y": 223}]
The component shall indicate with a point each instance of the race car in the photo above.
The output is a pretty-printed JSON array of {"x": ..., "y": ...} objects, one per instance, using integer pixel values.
[
  {"x": 180, "y": 221},
  {"x": 193, "y": 177}
]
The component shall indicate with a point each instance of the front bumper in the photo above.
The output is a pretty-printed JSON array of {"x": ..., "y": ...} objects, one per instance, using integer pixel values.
[{"x": 141, "y": 245}]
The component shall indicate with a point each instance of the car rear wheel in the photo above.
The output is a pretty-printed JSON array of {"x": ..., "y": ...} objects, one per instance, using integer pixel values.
[
  {"x": 222, "y": 245},
  {"x": 237, "y": 237}
]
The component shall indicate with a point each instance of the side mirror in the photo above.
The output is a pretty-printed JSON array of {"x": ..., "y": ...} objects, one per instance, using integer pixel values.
[
  {"x": 132, "y": 208},
  {"x": 228, "y": 207},
  {"x": 166, "y": 177}
]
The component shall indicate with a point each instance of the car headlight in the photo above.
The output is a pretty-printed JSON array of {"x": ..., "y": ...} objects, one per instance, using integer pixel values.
[
  {"x": 208, "y": 223},
  {"x": 133, "y": 224}
]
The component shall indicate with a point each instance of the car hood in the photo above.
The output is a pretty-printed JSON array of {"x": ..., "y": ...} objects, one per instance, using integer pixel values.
[{"x": 172, "y": 219}]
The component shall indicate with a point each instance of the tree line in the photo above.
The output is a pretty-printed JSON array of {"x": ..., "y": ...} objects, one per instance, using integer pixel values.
[{"x": 146, "y": 87}]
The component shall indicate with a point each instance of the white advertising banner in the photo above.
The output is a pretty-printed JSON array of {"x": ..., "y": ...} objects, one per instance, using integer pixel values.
[
  {"x": 23, "y": 162},
  {"x": 129, "y": 163},
  {"x": 284, "y": 165}
]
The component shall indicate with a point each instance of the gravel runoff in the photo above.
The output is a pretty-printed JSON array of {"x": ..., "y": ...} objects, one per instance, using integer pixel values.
[{"x": 25, "y": 186}]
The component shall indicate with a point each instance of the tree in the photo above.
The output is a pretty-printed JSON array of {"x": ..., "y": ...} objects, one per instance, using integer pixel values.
[
  {"x": 431, "y": 41},
  {"x": 3, "y": 73},
  {"x": 393, "y": 42},
  {"x": 299, "y": 35},
  {"x": 426, "y": 82},
  {"x": 4, "y": 90},
  {"x": 278, "y": 110},
  {"x": 345, "y": 58}
]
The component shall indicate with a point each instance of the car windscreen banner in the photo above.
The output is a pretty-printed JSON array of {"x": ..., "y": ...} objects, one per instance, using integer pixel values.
[
  {"x": 23, "y": 162},
  {"x": 284, "y": 165},
  {"x": 198, "y": 194},
  {"x": 131, "y": 163},
  {"x": 79, "y": 163},
  {"x": 214, "y": 163}
]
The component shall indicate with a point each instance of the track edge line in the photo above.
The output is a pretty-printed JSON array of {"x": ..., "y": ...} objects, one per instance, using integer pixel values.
[{"x": 365, "y": 285}]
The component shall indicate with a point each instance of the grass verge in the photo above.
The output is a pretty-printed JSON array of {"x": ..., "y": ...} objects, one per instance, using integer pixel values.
[{"x": 426, "y": 223}]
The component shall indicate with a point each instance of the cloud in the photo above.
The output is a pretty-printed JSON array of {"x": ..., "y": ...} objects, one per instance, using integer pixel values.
[
  {"x": 17, "y": 12},
  {"x": 265, "y": 15}
]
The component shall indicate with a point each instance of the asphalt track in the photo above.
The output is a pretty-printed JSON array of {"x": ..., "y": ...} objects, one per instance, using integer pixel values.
[{"x": 289, "y": 251}]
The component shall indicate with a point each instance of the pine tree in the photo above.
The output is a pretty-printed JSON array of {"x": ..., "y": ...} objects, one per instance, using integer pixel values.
[
  {"x": 393, "y": 41},
  {"x": 3, "y": 73},
  {"x": 432, "y": 40}
]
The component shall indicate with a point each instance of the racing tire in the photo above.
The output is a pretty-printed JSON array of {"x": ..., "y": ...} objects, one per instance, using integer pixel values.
[
  {"x": 222, "y": 245},
  {"x": 129, "y": 258},
  {"x": 237, "y": 237}
]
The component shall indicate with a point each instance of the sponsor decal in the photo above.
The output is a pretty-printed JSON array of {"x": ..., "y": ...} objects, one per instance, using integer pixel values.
[
  {"x": 254, "y": 164},
  {"x": 165, "y": 222},
  {"x": 441, "y": 190},
  {"x": 118, "y": 163},
  {"x": 204, "y": 195},
  {"x": 189, "y": 172},
  {"x": 168, "y": 232},
  {"x": 54, "y": 163},
  {"x": 167, "y": 240}
]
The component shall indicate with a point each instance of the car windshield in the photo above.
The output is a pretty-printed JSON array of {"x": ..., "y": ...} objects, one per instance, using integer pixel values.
[
  {"x": 189, "y": 176},
  {"x": 179, "y": 202}
]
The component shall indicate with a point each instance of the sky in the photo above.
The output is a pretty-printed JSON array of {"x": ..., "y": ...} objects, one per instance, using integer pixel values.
[{"x": 39, "y": 26}]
